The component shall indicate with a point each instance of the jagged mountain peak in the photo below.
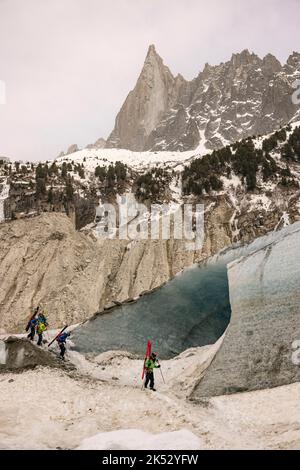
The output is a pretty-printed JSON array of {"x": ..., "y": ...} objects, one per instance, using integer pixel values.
[
  {"x": 271, "y": 58},
  {"x": 152, "y": 56},
  {"x": 294, "y": 59},
  {"x": 245, "y": 57},
  {"x": 244, "y": 96},
  {"x": 244, "y": 53},
  {"x": 154, "y": 66},
  {"x": 151, "y": 51},
  {"x": 154, "y": 93},
  {"x": 272, "y": 63}
]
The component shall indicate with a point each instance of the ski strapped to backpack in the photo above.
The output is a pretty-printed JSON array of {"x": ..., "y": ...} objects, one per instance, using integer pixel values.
[
  {"x": 64, "y": 328},
  {"x": 36, "y": 311},
  {"x": 148, "y": 354}
]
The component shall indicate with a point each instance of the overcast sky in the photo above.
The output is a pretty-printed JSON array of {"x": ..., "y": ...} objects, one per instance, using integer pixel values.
[{"x": 68, "y": 65}]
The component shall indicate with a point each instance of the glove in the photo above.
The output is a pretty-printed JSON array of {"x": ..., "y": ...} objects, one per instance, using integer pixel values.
[{"x": 158, "y": 366}]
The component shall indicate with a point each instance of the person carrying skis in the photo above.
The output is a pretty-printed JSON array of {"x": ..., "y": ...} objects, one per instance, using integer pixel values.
[
  {"x": 61, "y": 340},
  {"x": 32, "y": 325},
  {"x": 42, "y": 319},
  {"x": 151, "y": 364},
  {"x": 41, "y": 327}
]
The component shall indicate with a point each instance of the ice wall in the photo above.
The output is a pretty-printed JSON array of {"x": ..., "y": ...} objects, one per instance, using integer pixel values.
[
  {"x": 265, "y": 301},
  {"x": 191, "y": 310},
  {"x": 4, "y": 193},
  {"x": 3, "y": 353}
]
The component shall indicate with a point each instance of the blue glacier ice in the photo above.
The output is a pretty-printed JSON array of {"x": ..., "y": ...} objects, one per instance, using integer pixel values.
[{"x": 191, "y": 310}]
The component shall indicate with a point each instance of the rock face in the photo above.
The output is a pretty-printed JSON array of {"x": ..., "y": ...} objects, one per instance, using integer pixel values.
[
  {"x": 156, "y": 91},
  {"x": 44, "y": 260},
  {"x": 265, "y": 300},
  {"x": 243, "y": 97}
]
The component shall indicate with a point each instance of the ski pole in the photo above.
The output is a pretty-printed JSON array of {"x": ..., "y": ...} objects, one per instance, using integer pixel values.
[{"x": 162, "y": 375}]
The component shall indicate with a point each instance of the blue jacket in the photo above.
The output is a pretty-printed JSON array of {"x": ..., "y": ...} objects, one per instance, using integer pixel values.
[{"x": 63, "y": 337}]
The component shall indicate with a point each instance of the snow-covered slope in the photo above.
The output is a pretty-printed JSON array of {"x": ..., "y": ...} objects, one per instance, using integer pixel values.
[
  {"x": 269, "y": 192},
  {"x": 139, "y": 161},
  {"x": 145, "y": 160},
  {"x": 84, "y": 412}
]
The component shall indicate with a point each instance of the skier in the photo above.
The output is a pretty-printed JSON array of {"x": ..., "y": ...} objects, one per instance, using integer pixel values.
[
  {"x": 32, "y": 322},
  {"x": 42, "y": 319},
  {"x": 41, "y": 327},
  {"x": 61, "y": 340},
  {"x": 151, "y": 364},
  {"x": 32, "y": 325}
]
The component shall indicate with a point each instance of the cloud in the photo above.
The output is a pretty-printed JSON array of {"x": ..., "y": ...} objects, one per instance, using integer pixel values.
[{"x": 69, "y": 64}]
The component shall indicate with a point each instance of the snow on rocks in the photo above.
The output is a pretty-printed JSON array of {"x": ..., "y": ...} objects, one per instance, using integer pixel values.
[
  {"x": 284, "y": 221},
  {"x": 260, "y": 201},
  {"x": 233, "y": 182}
]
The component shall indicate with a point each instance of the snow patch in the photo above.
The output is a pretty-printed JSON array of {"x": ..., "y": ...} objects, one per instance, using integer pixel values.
[
  {"x": 233, "y": 182},
  {"x": 260, "y": 201},
  {"x": 283, "y": 222},
  {"x": 129, "y": 439}
]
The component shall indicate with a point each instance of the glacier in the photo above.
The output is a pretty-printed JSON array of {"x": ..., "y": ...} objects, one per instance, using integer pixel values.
[
  {"x": 189, "y": 311},
  {"x": 4, "y": 193},
  {"x": 264, "y": 289}
]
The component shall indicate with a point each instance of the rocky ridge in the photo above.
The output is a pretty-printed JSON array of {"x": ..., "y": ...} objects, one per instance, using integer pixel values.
[{"x": 242, "y": 97}]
